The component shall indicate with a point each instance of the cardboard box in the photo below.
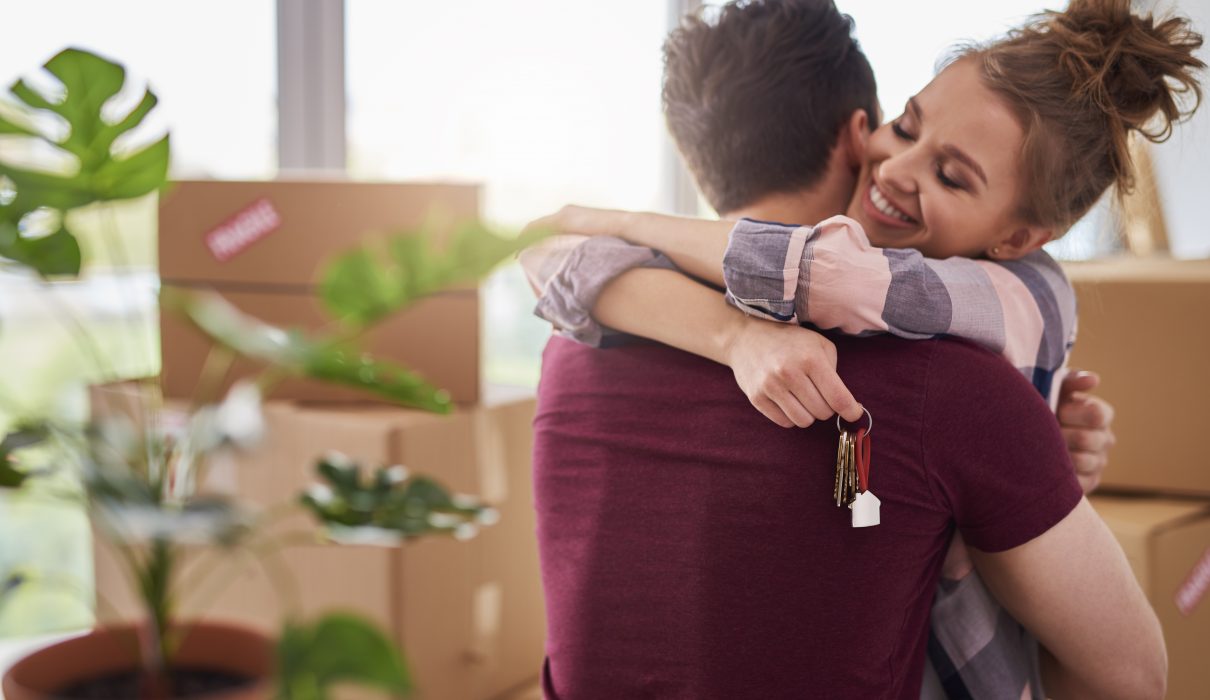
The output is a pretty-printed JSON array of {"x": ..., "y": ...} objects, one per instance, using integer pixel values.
[
  {"x": 1167, "y": 542},
  {"x": 1143, "y": 329},
  {"x": 262, "y": 244},
  {"x": 469, "y": 615}
]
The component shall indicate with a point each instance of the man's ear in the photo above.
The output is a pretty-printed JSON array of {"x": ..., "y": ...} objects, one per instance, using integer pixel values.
[
  {"x": 1021, "y": 242},
  {"x": 854, "y": 137}
]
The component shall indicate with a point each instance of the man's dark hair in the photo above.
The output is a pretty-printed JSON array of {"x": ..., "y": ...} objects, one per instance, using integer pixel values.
[{"x": 756, "y": 96}]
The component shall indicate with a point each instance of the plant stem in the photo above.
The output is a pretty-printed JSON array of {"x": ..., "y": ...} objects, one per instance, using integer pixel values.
[
  {"x": 155, "y": 580},
  {"x": 210, "y": 379}
]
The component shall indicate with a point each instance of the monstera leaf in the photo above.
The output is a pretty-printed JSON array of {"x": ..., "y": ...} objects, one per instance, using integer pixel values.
[
  {"x": 383, "y": 276},
  {"x": 338, "y": 647},
  {"x": 87, "y": 82},
  {"x": 296, "y": 353},
  {"x": 389, "y": 506}
]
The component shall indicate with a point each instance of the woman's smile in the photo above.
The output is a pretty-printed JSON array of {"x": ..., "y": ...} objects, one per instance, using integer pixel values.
[{"x": 880, "y": 206}]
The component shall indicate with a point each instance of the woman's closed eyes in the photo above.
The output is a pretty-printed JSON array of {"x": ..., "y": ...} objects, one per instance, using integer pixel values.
[{"x": 946, "y": 181}]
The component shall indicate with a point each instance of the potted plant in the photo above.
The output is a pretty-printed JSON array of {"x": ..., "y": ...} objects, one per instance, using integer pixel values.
[{"x": 139, "y": 480}]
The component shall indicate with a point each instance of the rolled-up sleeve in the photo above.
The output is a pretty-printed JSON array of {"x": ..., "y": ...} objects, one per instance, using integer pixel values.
[
  {"x": 762, "y": 268},
  {"x": 829, "y": 275},
  {"x": 569, "y": 272}
]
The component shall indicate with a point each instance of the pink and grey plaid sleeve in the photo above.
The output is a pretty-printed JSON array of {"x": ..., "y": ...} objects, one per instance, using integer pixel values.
[
  {"x": 830, "y": 276},
  {"x": 568, "y": 274}
]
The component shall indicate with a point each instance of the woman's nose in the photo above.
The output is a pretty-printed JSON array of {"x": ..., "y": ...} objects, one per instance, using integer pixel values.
[{"x": 898, "y": 171}]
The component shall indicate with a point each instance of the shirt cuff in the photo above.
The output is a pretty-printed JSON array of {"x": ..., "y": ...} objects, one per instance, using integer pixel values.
[
  {"x": 573, "y": 290},
  {"x": 761, "y": 268}
]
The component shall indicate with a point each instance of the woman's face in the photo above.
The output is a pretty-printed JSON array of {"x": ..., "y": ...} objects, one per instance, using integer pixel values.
[{"x": 943, "y": 176}]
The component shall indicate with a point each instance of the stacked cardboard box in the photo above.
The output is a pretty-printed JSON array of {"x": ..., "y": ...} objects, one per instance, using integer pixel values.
[
  {"x": 469, "y": 615},
  {"x": 262, "y": 245},
  {"x": 1143, "y": 329},
  {"x": 1167, "y": 542}
]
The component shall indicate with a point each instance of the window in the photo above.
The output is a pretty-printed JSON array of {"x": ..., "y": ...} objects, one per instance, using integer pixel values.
[
  {"x": 213, "y": 65},
  {"x": 545, "y": 102}
]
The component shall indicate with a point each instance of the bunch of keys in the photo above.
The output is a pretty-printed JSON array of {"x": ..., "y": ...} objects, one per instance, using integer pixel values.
[{"x": 852, "y": 484}]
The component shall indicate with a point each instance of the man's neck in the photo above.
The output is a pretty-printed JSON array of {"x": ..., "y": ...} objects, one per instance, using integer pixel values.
[{"x": 796, "y": 207}]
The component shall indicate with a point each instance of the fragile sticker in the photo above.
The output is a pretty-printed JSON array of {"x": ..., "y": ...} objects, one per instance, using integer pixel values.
[
  {"x": 1195, "y": 586},
  {"x": 246, "y": 227}
]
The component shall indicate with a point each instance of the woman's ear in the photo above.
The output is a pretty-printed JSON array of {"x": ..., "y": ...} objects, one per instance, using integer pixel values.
[
  {"x": 855, "y": 136},
  {"x": 1020, "y": 242}
]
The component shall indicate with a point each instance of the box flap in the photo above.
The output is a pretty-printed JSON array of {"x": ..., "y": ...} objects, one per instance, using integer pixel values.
[
  {"x": 1149, "y": 269},
  {"x": 1143, "y": 517}
]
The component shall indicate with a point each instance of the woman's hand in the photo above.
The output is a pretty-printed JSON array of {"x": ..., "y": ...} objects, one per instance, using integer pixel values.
[
  {"x": 1086, "y": 422},
  {"x": 789, "y": 374}
]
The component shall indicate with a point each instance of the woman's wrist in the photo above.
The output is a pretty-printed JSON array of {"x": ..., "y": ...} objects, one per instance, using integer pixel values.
[{"x": 730, "y": 335}]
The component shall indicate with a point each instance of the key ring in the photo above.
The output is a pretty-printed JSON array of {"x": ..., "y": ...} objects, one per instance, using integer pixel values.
[{"x": 868, "y": 415}]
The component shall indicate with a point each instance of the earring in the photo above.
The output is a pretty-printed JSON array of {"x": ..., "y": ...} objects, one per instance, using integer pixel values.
[{"x": 996, "y": 250}]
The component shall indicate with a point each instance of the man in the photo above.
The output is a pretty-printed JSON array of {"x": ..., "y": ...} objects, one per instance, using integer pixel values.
[{"x": 761, "y": 130}]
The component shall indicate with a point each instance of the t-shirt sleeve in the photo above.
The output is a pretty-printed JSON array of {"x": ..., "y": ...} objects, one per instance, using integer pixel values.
[{"x": 993, "y": 449}]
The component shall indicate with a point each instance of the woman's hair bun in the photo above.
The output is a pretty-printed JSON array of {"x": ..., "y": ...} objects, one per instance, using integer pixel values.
[
  {"x": 1132, "y": 67},
  {"x": 1080, "y": 81}
]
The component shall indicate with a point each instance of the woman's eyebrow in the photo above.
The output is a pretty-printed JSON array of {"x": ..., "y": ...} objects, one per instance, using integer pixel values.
[
  {"x": 951, "y": 150},
  {"x": 958, "y": 155}
]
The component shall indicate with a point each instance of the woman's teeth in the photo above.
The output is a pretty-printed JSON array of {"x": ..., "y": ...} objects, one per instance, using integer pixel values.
[{"x": 884, "y": 206}]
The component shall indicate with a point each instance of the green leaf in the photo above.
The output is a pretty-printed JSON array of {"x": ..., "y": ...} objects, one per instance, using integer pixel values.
[
  {"x": 10, "y": 476},
  {"x": 141, "y": 173},
  {"x": 356, "y": 287},
  {"x": 50, "y": 256},
  {"x": 90, "y": 81},
  {"x": 295, "y": 353},
  {"x": 230, "y": 327},
  {"x": 41, "y": 189},
  {"x": 339, "y": 647},
  {"x": 389, "y": 506},
  {"x": 386, "y": 379},
  {"x": 87, "y": 83},
  {"x": 362, "y": 285}
]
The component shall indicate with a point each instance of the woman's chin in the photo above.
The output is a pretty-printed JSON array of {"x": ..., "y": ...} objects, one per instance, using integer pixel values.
[{"x": 884, "y": 236}]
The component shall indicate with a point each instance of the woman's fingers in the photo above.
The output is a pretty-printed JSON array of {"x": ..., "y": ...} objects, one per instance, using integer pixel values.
[
  {"x": 797, "y": 411},
  {"x": 1085, "y": 411},
  {"x": 1088, "y": 440},
  {"x": 771, "y": 411},
  {"x": 819, "y": 388},
  {"x": 1090, "y": 467},
  {"x": 838, "y": 396},
  {"x": 808, "y": 395}
]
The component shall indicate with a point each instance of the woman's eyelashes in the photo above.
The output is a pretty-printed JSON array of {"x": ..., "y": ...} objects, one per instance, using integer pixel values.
[{"x": 945, "y": 180}]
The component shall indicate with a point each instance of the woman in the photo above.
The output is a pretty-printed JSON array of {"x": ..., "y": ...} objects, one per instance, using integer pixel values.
[{"x": 945, "y": 177}]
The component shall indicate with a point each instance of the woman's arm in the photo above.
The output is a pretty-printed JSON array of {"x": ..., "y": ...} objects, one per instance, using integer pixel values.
[
  {"x": 766, "y": 358},
  {"x": 584, "y": 284},
  {"x": 696, "y": 246},
  {"x": 830, "y": 275}
]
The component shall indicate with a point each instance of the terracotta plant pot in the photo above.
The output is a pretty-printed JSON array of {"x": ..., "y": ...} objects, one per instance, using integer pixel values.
[{"x": 111, "y": 650}]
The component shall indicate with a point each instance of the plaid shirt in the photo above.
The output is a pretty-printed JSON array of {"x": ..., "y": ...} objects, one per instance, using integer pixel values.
[{"x": 830, "y": 276}]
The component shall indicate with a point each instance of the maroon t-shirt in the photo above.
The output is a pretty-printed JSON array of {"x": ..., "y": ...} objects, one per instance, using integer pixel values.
[{"x": 690, "y": 547}]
